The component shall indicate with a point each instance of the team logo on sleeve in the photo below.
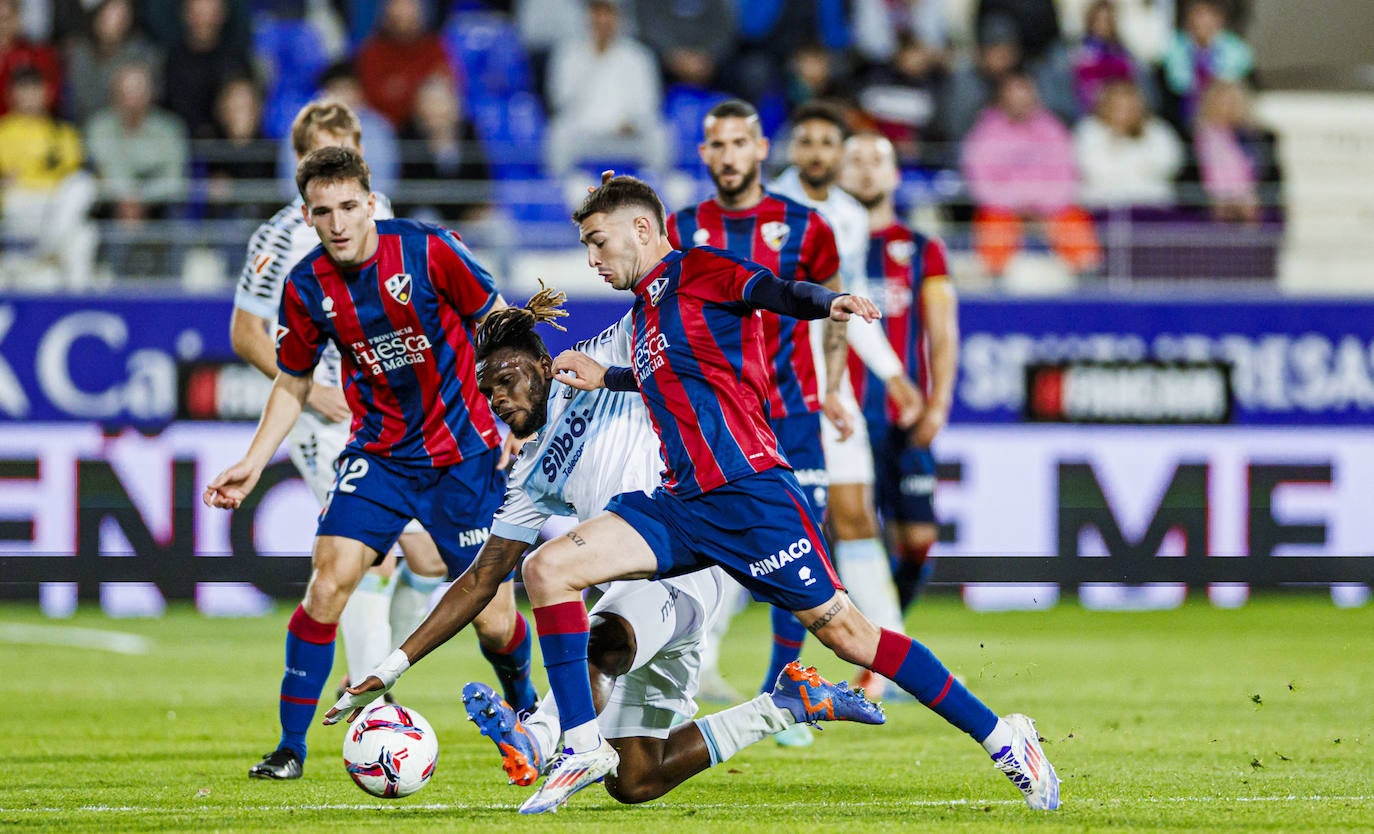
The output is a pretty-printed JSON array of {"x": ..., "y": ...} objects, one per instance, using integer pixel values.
[
  {"x": 900, "y": 251},
  {"x": 701, "y": 237},
  {"x": 399, "y": 287},
  {"x": 328, "y": 305},
  {"x": 282, "y": 330},
  {"x": 775, "y": 234}
]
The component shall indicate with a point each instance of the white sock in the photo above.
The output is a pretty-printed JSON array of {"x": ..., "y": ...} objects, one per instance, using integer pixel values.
[
  {"x": 730, "y": 731},
  {"x": 366, "y": 635},
  {"x": 999, "y": 737},
  {"x": 583, "y": 738},
  {"x": 410, "y": 602},
  {"x": 543, "y": 727},
  {"x": 864, "y": 570}
]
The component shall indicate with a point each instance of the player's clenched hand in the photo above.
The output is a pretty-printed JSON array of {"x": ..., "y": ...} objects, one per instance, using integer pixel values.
[
  {"x": 854, "y": 305},
  {"x": 833, "y": 408},
  {"x": 908, "y": 400},
  {"x": 231, "y": 486},
  {"x": 354, "y": 699},
  {"x": 578, "y": 370},
  {"x": 328, "y": 401},
  {"x": 932, "y": 420}
]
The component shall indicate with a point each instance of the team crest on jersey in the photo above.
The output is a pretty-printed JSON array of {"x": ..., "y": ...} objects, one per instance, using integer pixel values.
[
  {"x": 328, "y": 305},
  {"x": 399, "y": 287},
  {"x": 657, "y": 287},
  {"x": 900, "y": 251},
  {"x": 775, "y": 234},
  {"x": 282, "y": 330},
  {"x": 701, "y": 237}
]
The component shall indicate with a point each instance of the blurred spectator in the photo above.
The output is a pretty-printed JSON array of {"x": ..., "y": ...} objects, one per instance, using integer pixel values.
[
  {"x": 1127, "y": 156},
  {"x": 1101, "y": 57},
  {"x": 290, "y": 50},
  {"x": 139, "y": 150},
  {"x": 1228, "y": 168},
  {"x": 1036, "y": 23},
  {"x": 880, "y": 26},
  {"x": 47, "y": 197},
  {"x": 200, "y": 63},
  {"x": 441, "y": 145},
  {"x": 690, "y": 37},
  {"x": 1019, "y": 165},
  {"x": 543, "y": 24},
  {"x": 901, "y": 97},
  {"x": 164, "y": 21},
  {"x": 397, "y": 58},
  {"x": 772, "y": 31},
  {"x": 1202, "y": 52},
  {"x": 241, "y": 164},
  {"x": 973, "y": 84},
  {"x": 814, "y": 73},
  {"x": 340, "y": 83},
  {"x": 605, "y": 96},
  {"x": 108, "y": 40},
  {"x": 18, "y": 51}
]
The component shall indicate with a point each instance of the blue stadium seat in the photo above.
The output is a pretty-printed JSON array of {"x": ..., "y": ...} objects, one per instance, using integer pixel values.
[
  {"x": 684, "y": 107},
  {"x": 488, "y": 54},
  {"x": 295, "y": 54}
]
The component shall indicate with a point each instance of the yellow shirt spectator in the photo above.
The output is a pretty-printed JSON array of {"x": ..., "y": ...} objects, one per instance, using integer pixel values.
[{"x": 37, "y": 152}]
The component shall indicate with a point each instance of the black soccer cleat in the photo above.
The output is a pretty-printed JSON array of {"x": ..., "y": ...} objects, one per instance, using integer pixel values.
[{"x": 282, "y": 763}]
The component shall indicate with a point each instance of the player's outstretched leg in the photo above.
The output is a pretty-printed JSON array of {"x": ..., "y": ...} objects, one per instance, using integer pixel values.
[
  {"x": 309, "y": 657},
  {"x": 498, "y": 721}
]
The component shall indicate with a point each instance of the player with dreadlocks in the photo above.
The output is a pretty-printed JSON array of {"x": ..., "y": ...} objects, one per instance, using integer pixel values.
[{"x": 585, "y": 448}]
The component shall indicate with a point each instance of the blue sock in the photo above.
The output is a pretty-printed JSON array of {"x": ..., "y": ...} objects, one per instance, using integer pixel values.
[
  {"x": 563, "y": 634},
  {"x": 512, "y": 665},
  {"x": 914, "y": 668},
  {"x": 788, "y": 636},
  {"x": 309, "y": 657}
]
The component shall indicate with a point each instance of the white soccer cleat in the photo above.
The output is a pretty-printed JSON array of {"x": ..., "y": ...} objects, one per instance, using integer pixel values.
[
  {"x": 1025, "y": 764},
  {"x": 571, "y": 774}
]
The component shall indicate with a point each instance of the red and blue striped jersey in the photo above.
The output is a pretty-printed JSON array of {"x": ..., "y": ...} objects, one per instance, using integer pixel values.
[
  {"x": 899, "y": 263},
  {"x": 403, "y": 322},
  {"x": 793, "y": 242},
  {"x": 701, "y": 367}
]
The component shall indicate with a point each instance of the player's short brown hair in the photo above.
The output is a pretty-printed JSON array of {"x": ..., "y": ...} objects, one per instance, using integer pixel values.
[
  {"x": 821, "y": 111},
  {"x": 333, "y": 164},
  {"x": 617, "y": 192},
  {"x": 328, "y": 114}
]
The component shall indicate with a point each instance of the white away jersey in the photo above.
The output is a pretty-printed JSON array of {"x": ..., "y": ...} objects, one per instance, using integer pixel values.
[
  {"x": 274, "y": 248},
  {"x": 594, "y": 446},
  {"x": 846, "y": 216}
]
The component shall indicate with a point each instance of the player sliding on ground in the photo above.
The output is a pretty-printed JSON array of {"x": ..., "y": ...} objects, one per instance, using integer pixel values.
[
  {"x": 587, "y": 447},
  {"x": 728, "y": 496}
]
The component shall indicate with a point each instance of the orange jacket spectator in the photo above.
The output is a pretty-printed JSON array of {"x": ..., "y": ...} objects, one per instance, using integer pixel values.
[{"x": 397, "y": 58}]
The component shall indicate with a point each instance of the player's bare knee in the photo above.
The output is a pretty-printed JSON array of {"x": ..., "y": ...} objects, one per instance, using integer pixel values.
[{"x": 631, "y": 787}]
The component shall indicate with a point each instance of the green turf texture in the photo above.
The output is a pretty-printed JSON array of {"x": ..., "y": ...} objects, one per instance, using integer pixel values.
[{"x": 1257, "y": 719}]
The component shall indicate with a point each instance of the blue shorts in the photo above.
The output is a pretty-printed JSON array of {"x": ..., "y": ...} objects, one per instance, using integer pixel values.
[
  {"x": 760, "y": 529},
  {"x": 373, "y": 498},
  {"x": 799, "y": 440},
  {"x": 904, "y": 475}
]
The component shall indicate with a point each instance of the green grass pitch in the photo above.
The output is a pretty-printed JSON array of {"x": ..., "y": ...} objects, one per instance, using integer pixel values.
[{"x": 1257, "y": 719}]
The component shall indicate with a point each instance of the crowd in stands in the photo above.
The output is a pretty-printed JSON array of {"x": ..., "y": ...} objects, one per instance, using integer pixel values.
[{"x": 1048, "y": 113}]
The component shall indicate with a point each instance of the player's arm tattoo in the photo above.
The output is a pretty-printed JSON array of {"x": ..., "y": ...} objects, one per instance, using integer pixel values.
[
  {"x": 823, "y": 620},
  {"x": 576, "y": 539},
  {"x": 836, "y": 350}
]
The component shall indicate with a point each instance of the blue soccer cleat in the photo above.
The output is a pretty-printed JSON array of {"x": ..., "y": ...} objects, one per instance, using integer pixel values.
[
  {"x": 811, "y": 698},
  {"x": 1024, "y": 763},
  {"x": 497, "y": 721}
]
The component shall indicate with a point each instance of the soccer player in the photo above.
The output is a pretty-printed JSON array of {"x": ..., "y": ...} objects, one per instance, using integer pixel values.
[
  {"x": 816, "y": 152},
  {"x": 728, "y": 496},
  {"x": 399, "y": 299},
  {"x": 920, "y": 312},
  {"x": 372, "y": 619},
  {"x": 796, "y": 243},
  {"x": 646, "y": 637}
]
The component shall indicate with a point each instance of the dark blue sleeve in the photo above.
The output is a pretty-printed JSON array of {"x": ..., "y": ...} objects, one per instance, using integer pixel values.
[
  {"x": 620, "y": 379},
  {"x": 798, "y": 299}
]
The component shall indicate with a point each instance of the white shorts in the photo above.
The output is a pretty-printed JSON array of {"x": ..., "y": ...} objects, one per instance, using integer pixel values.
[
  {"x": 849, "y": 461},
  {"x": 314, "y": 446},
  {"x": 670, "y": 618}
]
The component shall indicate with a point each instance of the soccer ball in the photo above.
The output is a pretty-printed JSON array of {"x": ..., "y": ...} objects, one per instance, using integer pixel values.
[{"x": 390, "y": 751}]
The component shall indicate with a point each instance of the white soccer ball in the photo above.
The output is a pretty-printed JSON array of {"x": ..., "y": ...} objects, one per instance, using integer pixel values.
[{"x": 390, "y": 751}]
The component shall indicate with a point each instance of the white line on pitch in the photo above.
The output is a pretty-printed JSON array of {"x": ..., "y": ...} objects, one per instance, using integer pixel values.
[
  {"x": 73, "y": 637},
  {"x": 439, "y": 806}
]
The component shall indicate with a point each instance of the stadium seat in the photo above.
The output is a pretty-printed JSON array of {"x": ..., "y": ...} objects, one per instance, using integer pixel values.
[
  {"x": 294, "y": 53},
  {"x": 487, "y": 54}
]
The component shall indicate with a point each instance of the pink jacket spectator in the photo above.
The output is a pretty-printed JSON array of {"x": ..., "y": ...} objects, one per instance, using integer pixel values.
[
  {"x": 1227, "y": 172},
  {"x": 1027, "y": 167}
]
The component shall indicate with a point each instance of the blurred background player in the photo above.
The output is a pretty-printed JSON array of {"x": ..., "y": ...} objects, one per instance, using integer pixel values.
[
  {"x": 907, "y": 273},
  {"x": 796, "y": 243},
  {"x": 376, "y": 618},
  {"x": 400, "y": 300},
  {"x": 816, "y": 151},
  {"x": 646, "y": 637}
]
